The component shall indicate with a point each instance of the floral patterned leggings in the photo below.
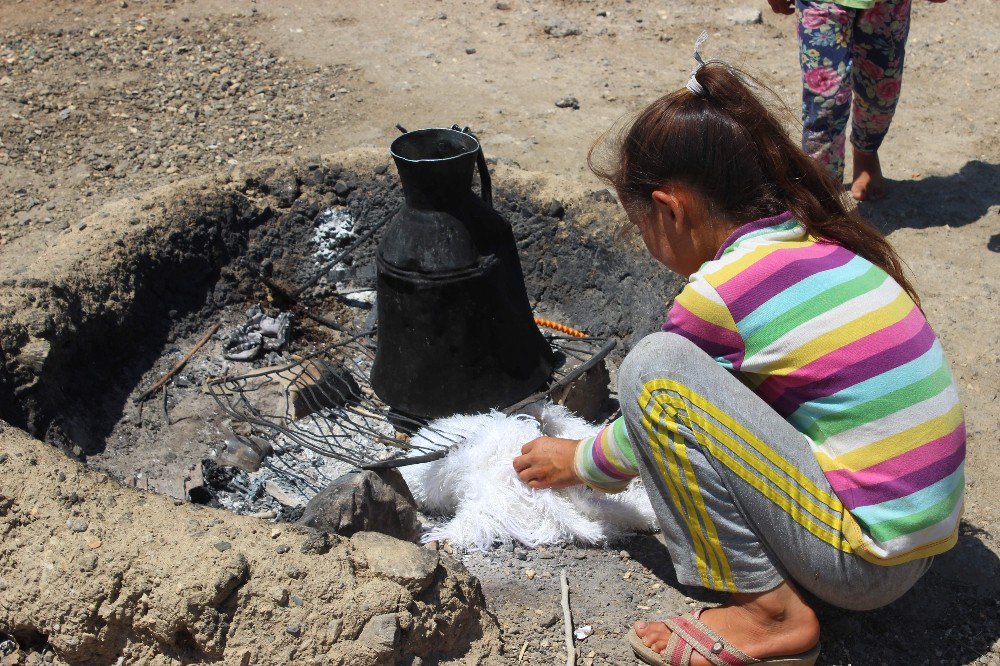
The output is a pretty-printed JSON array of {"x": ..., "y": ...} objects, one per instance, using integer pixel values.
[{"x": 844, "y": 50}]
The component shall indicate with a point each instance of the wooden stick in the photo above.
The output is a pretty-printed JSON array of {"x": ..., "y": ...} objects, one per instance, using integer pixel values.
[
  {"x": 180, "y": 364},
  {"x": 567, "y": 620},
  {"x": 524, "y": 648}
]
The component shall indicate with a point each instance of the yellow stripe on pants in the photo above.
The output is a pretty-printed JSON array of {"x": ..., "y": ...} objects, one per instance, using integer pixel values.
[
  {"x": 787, "y": 496},
  {"x": 681, "y": 474}
]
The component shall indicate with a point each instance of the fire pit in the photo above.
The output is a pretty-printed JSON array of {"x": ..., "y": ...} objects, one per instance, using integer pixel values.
[
  {"x": 135, "y": 290},
  {"x": 121, "y": 298}
]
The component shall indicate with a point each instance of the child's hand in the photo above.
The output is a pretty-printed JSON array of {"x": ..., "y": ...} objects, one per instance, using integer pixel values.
[
  {"x": 547, "y": 462},
  {"x": 788, "y": 6}
]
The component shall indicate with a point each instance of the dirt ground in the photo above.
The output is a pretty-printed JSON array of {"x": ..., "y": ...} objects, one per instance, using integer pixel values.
[{"x": 100, "y": 101}]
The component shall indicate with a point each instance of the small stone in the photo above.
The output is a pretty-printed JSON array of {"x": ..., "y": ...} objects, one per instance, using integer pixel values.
[
  {"x": 282, "y": 549},
  {"x": 278, "y": 594},
  {"x": 341, "y": 188},
  {"x": 560, "y": 27},
  {"x": 93, "y": 542},
  {"x": 550, "y": 619},
  {"x": 470, "y": 51},
  {"x": 222, "y": 546},
  {"x": 502, "y": 6},
  {"x": 555, "y": 209},
  {"x": 77, "y": 525},
  {"x": 530, "y": 574},
  {"x": 381, "y": 633},
  {"x": 293, "y": 630},
  {"x": 296, "y": 600},
  {"x": 745, "y": 16},
  {"x": 81, "y": 226},
  {"x": 275, "y": 533},
  {"x": 294, "y": 572},
  {"x": 88, "y": 562},
  {"x": 568, "y": 103},
  {"x": 520, "y": 555},
  {"x": 402, "y": 562}
]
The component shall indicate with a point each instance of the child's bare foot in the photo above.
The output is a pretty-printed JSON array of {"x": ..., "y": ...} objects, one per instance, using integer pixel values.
[
  {"x": 763, "y": 625},
  {"x": 868, "y": 184}
]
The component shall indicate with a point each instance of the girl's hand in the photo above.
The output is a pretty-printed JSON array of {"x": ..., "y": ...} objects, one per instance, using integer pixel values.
[
  {"x": 547, "y": 462},
  {"x": 788, "y": 6}
]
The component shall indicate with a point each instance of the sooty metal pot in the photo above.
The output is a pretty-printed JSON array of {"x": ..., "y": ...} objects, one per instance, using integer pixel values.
[{"x": 455, "y": 329}]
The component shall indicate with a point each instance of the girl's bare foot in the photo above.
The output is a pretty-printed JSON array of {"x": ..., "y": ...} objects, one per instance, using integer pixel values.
[
  {"x": 763, "y": 625},
  {"x": 868, "y": 184}
]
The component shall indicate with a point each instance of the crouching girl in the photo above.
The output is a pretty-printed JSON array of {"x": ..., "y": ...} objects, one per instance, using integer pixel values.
[{"x": 795, "y": 424}]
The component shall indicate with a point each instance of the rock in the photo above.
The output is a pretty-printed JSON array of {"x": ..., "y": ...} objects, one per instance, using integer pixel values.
[
  {"x": 381, "y": 633},
  {"x": 560, "y": 27},
  {"x": 278, "y": 594},
  {"x": 293, "y": 630},
  {"x": 568, "y": 103},
  {"x": 341, "y": 188},
  {"x": 222, "y": 546},
  {"x": 365, "y": 501},
  {"x": 502, "y": 6},
  {"x": 556, "y": 209},
  {"x": 470, "y": 51},
  {"x": 402, "y": 562},
  {"x": 77, "y": 525},
  {"x": 550, "y": 619},
  {"x": 603, "y": 195},
  {"x": 745, "y": 16}
]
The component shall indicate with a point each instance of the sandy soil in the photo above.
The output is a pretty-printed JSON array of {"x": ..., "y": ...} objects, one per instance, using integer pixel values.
[{"x": 102, "y": 100}]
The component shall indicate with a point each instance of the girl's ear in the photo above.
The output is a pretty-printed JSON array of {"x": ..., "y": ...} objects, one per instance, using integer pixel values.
[{"x": 670, "y": 209}]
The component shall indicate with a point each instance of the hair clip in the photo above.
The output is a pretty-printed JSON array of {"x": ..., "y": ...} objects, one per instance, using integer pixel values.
[{"x": 692, "y": 83}]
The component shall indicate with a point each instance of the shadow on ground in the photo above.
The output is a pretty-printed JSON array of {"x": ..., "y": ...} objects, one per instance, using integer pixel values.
[
  {"x": 950, "y": 617},
  {"x": 954, "y": 200}
]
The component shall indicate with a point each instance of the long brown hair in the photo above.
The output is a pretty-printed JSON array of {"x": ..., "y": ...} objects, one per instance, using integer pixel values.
[{"x": 729, "y": 148}]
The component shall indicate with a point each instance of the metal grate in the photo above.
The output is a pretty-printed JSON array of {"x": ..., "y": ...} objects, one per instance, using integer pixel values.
[{"x": 326, "y": 404}]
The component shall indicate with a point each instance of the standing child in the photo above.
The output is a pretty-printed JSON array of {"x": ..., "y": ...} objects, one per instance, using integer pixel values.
[
  {"x": 845, "y": 47},
  {"x": 795, "y": 424}
]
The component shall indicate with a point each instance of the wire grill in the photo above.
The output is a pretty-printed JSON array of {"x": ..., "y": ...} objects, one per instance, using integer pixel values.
[{"x": 342, "y": 418}]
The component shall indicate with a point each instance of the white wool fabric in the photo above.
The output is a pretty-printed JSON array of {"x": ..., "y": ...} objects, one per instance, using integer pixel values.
[{"x": 476, "y": 488}]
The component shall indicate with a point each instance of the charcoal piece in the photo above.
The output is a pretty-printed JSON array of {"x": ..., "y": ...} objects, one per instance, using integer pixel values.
[
  {"x": 365, "y": 501},
  {"x": 321, "y": 384}
]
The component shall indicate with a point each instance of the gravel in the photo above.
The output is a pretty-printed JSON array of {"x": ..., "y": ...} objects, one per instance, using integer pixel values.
[{"x": 110, "y": 109}]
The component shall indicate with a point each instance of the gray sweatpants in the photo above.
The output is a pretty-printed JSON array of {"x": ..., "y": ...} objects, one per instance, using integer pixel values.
[{"x": 739, "y": 494}]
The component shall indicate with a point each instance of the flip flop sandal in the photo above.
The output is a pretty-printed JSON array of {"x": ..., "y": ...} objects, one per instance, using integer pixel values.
[{"x": 689, "y": 634}]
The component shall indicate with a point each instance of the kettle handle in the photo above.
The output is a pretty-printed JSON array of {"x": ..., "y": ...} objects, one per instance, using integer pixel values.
[{"x": 485, "y": 182}]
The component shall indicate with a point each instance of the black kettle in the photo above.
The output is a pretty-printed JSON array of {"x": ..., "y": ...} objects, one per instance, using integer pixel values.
[{"x": 455, "y": 329}]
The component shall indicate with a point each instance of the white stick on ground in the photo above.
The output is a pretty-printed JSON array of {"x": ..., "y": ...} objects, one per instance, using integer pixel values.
[{"x": 567, "y": 619}]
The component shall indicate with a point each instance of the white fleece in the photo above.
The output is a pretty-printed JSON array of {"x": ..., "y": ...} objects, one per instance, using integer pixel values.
[{"x": 476, "y": 487}]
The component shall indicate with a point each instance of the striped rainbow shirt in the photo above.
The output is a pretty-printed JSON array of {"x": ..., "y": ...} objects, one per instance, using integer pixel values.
[{"x": 839, "y": 349}]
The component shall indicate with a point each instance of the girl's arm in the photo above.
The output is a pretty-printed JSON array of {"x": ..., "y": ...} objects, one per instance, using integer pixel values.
[{"x": 605, "y": 462}]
